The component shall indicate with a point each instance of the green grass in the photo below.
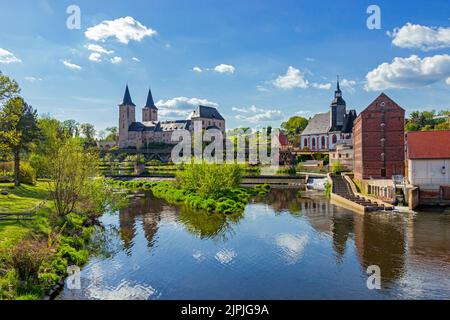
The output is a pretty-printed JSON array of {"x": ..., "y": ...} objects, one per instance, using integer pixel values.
[{"x": 20, "y": 199}]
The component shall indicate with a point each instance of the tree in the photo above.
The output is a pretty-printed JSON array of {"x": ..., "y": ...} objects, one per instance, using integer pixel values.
[
  {"x": 19, "y": 129},
  {"x": 113, "y": 134},
  {"x": 72, "y": 168},
  {"x": 88, "y": 131},
  {"x": 72, "y": 128},
  {"x": 8, "y": 88},
  {"x": 294, "y": 127}
]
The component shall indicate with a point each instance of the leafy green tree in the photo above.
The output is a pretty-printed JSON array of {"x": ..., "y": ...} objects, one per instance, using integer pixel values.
[
  {"x": 294, "y": 127},
  {"x": 18, "y": 124},
  {"x": 88, "y": 131},
  {"x": 112, "y": 134},
  {"x": 72, "y": 128},
  {"x": 72, "y": 168},
  {"x": 8, "y": 88}
]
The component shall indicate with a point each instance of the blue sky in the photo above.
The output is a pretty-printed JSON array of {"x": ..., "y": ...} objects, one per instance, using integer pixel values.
[{"x": 260, "y": 61}]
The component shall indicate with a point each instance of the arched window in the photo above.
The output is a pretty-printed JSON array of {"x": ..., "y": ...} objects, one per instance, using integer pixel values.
[
  {"x": 334, "y": 138},
  {"x": 313, "y": 143},
  {"x": 305, "y": 142},
  {"x": 323, "y": 143}
]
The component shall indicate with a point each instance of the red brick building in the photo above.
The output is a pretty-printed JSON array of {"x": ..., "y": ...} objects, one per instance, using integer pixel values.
[{"x": 378, "y": 140}]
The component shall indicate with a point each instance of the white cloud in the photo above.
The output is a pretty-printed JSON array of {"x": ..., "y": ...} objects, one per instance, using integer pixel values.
[
  {"x": 181, "y": 106},
  {"x": 293, "y": 78},
  {"x": 135, "y": 59},
  {"x": 224, "y": 68},
  {"x": 409, "y": 72},
  {"x": 448, "y": 81},
  {"x": 348, "y": 84},
  {"x": 32, "y": 79},
  {"x": 415, "y": 36},
  {"x": 96, "y": 57},
  {"x": 254, "y": 114},
  {"x": 310, "y": 59},
  {"x": 261, "y": 88},
  {"x": 197, "y": 69},
  {"x": 8, "y": 57},
  {"x": 116, "y": 60},
  {"x": 225, "y": 256},
  {"x": 99, "y": 49},
  {"x": 292, "y": 246},
  {"x": 123, "y": 29},
  {"x": 70, "y": 65},
  {"x": 323, "y": 86}
]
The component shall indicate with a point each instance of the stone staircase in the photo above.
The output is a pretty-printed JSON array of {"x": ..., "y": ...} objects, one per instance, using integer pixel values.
[{"x": 342, "y": 188}]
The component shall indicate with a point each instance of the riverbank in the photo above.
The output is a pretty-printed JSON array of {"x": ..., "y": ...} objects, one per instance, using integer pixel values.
[
  {"x": 228, "y": 201},
  {"x": 35, "y": 254}
]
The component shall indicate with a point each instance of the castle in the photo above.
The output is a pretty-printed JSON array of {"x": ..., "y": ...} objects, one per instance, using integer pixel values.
[{"x": 134, "y": 134}]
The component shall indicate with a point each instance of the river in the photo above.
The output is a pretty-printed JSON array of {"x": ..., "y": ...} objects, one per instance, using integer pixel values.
[{"x": 282, "y": 247}]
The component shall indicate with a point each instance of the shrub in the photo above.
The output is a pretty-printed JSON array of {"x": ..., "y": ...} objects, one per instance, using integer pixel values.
[
  {"x": 338, "y": 167},
  {"x": 40, "y": 165},
  {"x": 27, "y": 257},
  {"x": 27, "y": 174}
]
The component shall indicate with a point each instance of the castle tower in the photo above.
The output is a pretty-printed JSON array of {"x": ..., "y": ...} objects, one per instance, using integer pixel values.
[
  {"x": 338, "y": 109},
  {"x": 127, "y": 115},
  {"x": 149, "y": 111}
]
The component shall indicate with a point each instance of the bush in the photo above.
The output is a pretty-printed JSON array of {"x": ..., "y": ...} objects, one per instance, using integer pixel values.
[
  {"x": 27, "y": 257},
  {"x": 27, "y": 174},
  {"x": 338, "y": 167},
  {"x": 40, "y": 165},
  {"x": 209, "y": 179}
]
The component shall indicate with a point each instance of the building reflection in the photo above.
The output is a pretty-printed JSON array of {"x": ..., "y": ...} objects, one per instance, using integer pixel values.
[
  {"x": 380, "y": 240},
  {"x": 150, "y": 211},
  {"x": 147, "y": 210}
]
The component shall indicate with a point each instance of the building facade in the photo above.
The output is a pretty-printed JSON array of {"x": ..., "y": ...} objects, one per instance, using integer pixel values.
[
  {"x": 343, "y": 154},
  {"x": 378, "y": 140},
  {"x": 327, "y": 130},
  {"x": 133, "y": 134},
  {"x": 428, "y": 164}
]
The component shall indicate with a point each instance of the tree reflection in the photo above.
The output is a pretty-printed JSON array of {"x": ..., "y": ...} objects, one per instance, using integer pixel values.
[{"x": 206, "y": 225}]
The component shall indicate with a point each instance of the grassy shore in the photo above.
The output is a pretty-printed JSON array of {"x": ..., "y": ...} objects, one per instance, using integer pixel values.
[{"x": 46, "y": 244}]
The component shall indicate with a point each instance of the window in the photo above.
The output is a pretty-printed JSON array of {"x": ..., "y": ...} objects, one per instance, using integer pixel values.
[
  {"x": 334, "y": 138},
  {"x": 305, "y": 142},
  {"x": 313, "y": 142},
  {"x": 323, "y": 142}
]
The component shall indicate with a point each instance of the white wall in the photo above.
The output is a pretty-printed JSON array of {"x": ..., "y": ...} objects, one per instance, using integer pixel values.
[{"x": 428, "y": 173}]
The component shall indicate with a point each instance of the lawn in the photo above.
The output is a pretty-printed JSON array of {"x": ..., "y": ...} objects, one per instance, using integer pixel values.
[{"x": 20, "y": 199}]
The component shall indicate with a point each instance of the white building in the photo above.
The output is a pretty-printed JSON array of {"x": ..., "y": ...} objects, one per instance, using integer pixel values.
[
  {"x": 428, "y": 162},
  {"x": 327, "y": 130}
]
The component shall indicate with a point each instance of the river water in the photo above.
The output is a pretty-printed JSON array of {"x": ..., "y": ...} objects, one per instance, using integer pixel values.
[{"x": 282, "y": 247}]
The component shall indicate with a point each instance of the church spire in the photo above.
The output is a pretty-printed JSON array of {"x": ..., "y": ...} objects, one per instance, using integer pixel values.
[
  {"x": 338, "y": 87},
  {"x": 150, "y": 103},
  {"x": 127, "y": 98}
]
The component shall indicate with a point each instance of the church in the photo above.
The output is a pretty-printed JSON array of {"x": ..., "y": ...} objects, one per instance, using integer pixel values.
[
  {"x": 133, "y": 134},
  {"x": 326, "y": 131}
]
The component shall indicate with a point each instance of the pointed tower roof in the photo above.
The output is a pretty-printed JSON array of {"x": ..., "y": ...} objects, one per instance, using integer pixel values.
[
  {"x": 150, "y": 103},
  {"x": 338, "y": 100},
  {"x": 127, "y": 98}
]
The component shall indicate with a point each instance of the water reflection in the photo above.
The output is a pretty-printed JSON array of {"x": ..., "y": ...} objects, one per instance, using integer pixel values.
[{"x": 289, "y": 245}]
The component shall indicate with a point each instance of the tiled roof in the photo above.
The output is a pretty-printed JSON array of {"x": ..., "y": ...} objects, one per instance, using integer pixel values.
[
  {"x": 428, "y": 145},
  {"x": 175, "y": 125},
  {"x": 319, "y": 124},
  {"x": 206, "y": 112}
]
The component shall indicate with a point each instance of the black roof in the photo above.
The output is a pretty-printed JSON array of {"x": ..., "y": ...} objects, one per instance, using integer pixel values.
[
  {"x": 338, "y": 100},
  {"x": 127, "y": 99},
  {"x": 150, "y": 103},
  {"x": 348, "y": 121},
  {"x": 206, "y": 112}
]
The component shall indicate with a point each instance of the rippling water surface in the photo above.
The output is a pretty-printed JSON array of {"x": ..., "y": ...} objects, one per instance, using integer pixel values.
[{"x": 281, "y": 247}]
